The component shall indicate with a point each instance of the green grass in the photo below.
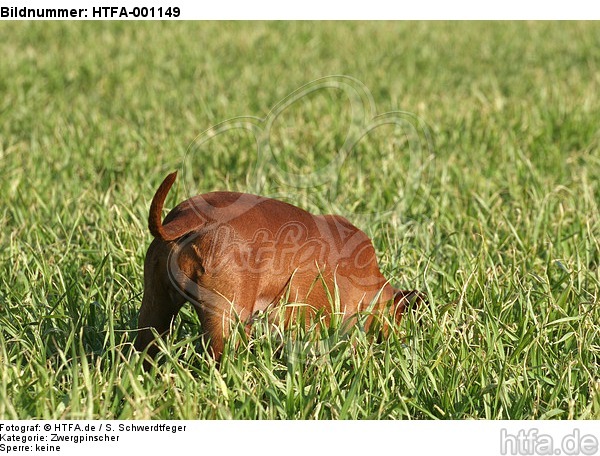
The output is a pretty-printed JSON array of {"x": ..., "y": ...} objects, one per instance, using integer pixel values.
[{"x": 499, "y": 224}]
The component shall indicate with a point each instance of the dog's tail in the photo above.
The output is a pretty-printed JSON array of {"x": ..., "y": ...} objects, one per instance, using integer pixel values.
[{"x": 155, "y": 217}]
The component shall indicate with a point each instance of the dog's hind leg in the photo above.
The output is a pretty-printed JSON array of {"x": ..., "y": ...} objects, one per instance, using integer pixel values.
[{"x": 160, "y": 304}]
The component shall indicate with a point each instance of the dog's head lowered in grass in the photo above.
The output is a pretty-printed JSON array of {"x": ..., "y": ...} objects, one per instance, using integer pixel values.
[{"x": 233, "y": 255}]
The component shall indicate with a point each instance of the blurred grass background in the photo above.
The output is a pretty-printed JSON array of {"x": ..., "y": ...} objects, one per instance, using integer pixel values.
[{"x": 501, "y": 226}]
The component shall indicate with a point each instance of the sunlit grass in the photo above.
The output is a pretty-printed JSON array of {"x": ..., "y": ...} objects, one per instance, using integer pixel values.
[{"x": 499, "y": 224}]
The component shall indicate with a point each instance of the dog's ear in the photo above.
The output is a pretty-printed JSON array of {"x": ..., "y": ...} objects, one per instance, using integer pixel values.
[{"x": 408, "y": 299}]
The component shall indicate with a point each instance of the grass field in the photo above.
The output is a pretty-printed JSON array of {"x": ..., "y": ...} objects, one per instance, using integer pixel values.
[{"x": 497, "y": 221}]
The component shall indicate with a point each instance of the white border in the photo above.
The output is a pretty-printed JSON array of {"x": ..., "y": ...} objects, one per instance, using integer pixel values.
[
  {"x": 346, "y": 438},
  {"x": 350, "y": 9}
]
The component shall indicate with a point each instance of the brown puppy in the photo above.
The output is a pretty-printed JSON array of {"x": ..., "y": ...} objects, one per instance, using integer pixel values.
[{"x": 233, "y": 255}]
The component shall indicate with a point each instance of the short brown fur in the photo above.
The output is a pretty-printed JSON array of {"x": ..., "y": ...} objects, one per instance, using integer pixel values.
[{"x": 235, "y": 255}]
